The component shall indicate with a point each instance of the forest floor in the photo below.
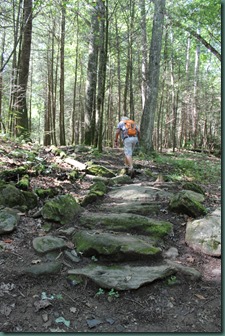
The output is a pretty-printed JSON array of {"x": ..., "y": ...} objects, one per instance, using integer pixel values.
[{"x": 186, "y": 306}]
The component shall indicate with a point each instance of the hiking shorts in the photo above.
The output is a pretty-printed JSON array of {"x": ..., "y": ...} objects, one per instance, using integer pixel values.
[{"x": 129, "y": 144}]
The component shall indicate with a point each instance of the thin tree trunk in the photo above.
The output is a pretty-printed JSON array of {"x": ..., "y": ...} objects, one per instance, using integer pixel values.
[
  {"x": 62, "y": 135},
  {"x": 144, "y": 53},
  {"x": 24, "y": 61}
]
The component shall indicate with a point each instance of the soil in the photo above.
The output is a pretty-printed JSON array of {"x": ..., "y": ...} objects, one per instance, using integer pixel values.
[{"x": 183, "y": 306}]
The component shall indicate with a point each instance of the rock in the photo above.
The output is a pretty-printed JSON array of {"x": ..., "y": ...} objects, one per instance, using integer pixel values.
[
  {"x": 205, "y": 234},
  {"x": 48, "y": 243},
  {"x": 127, "y": 222},
  {"x": 61, "y": 209},
  {"x": 194, "y": 187},
  {"x": 123, "y": 179},
  {"x": 31, "y": 199},
  {"x": 188, "y": 202},
  {"x": 124, "y": 277},
  {"x": 136, "y": 192},
  {"x": 11, "y": 197},
  {"x": 171, "y": 253},
  {"x": 72, "y": 256},
  {"x": 98, "y": 188},
  {"x": 138, "y": 208},
  {"x": 190, "y": 272},
  {"x": 8, "y": 220},
  {"x": 76, "y": 164},
  {"x": 43, "y": 269},
  {"x": 100, "y": 171},
  {"x": 115, "y": 246}
]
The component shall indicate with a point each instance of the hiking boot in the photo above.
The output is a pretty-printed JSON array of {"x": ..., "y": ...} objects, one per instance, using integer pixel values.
[{"x": 131, "y": 172}]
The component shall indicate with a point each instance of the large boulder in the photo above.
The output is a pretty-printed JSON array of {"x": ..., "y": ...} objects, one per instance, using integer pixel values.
[
  {"x": 62, "y": 209},
  {"x": 205, "y": 234},
  {"x": 12, "y": 197}
]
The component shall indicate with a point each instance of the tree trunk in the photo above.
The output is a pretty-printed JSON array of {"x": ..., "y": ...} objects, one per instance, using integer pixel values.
[
  {"x": 144, "y": 61},
  {"x": 62, "y": 135},
  {"x": 24, "y": 61},
  {"x": 90, "y": 100},
  {"x": 147, "y": 121}
]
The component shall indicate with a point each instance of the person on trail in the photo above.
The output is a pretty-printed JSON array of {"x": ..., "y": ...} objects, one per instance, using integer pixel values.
[{"x": 130, "y": 135}]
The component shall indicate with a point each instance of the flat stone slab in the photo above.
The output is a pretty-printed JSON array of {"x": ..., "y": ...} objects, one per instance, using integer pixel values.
[
  {"x": 126, "y": 222},
  {"x": 139, "y": 208},
  {"x": 48, "y": 243},
  {"x": 124, "y": 277},
  {"x": 205, "y": 234},
  {"x": 137, "y": 192},
  {"x": 116, "y": 246}
]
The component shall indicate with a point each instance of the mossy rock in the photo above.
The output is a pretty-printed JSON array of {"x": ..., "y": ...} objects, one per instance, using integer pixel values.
[
  {"x": 62, "y": 209},
  {"x": 44, "y": 193},
  {"x": 188, "y": 202},
  {"x": 100, "y": 171},
  {"x": 24, "y": 182},
  {"x": 12, "y": 197},
  {"x": 126, "y": 223},
  {"x": 31, "y": 199},
  {"x": 12, "y": 174},
  {"x": 114, "y": 246},
  {"x": 98, "y": 188},
  {"x": 194, "y": 187}
]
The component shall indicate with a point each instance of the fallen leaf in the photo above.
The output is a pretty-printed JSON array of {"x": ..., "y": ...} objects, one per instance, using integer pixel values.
[
  {"x": 200, "y": 297},
  {"x": 8, "y": 241},
  {"x": 73, "y": 309},
  {"x": 190, "y": 259}
]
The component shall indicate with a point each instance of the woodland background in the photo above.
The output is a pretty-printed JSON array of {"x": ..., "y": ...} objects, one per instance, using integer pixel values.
[{"x": 70, "y": 70}]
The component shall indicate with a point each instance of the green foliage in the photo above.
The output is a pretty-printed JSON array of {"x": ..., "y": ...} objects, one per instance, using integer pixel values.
[
  {"x": 113, "y": 293},
  {"x": 192, "y": 165},
  {"x": 172, "y": 280}
]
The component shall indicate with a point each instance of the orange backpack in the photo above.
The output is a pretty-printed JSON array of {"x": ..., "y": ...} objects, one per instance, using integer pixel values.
[{"x": 130, "y": 127}]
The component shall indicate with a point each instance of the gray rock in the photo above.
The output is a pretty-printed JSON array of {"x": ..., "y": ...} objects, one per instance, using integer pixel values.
[
  {"x": 61, "y": 209},
  {"x": 190, "y": 272},
  {"x": 48, "y": 243},
  {"x": 124, "y": 277},
  {"x": 205, "y": 234},
  {"x": 171, "y": 253},
  {"x": 116, "y": 246},
  {"x": 124, "y": 179},
  {"x": 127, "y": 222},
  {"x": 138, "y": 192},
  {"x": 9, "y": 219},
  {"x": 43, "y": 269},
  {"x": 188, "y": 202},
  {"x": 139, "y": 208}
]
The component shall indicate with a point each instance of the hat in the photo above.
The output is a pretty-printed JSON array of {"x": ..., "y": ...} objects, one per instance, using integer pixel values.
[{"x": 124, "y": 118}]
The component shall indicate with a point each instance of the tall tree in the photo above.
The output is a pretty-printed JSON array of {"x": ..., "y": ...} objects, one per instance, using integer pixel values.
[
  {"x": 90, "y": 98},
  {"x": 24, "y": 62},
  {"x": 62, "y": 135},
  {"x": 148, "y": 117}
]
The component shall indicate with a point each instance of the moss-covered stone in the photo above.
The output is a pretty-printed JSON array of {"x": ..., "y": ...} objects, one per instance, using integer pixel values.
[
  {"x": 127, "y": 222},
  {"x": 24, "y": 182},
  {"x": 100, "y": 171},
  {"x": 12, "y": 197},
  {"x": 12, "y": 174},
  {"x": 44, "y": 193},
  {"x": 98, "y": 188},
  {"x": 115, "y": 246},
  {"x": 62, "y": 209},
  {"x": 8, "y": 220},
  {"x": 31, "y": 199},
  {"x": 194, "y": 187},
  {"x": 188, "y": 202}
]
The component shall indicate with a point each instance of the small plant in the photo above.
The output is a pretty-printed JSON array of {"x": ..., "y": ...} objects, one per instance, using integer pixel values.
[
  {"x": 113, "y": 293},
  {"x": 172, "y": 280},
  {"x": 93, "y": 258},
  {"x": 100, "y": 292}
]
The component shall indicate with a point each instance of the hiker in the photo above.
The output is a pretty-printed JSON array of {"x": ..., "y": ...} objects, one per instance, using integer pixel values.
[{"x": 129, "y": 132}]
